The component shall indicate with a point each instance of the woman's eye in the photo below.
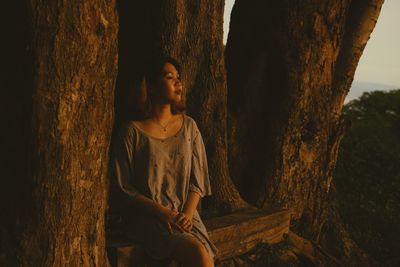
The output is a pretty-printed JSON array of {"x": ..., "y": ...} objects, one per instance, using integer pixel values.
[{"x": 169, "y": 77}]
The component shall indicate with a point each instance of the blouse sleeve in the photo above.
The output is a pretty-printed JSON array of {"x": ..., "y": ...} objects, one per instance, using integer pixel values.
[
  {"x": 122, "y": 162},
  {"x": 199, "y": 177}
]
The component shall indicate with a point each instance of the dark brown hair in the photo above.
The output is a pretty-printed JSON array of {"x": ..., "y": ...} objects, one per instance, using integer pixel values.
[{"x": 143, "y": 99}]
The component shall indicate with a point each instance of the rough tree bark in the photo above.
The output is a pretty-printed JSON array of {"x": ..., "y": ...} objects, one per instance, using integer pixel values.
[
  {"x": 290, "y": 65},
  {"x": 286, "y": 91},
  {"x": 68, "y": 78},
  {"x": 192, "y": 33}
]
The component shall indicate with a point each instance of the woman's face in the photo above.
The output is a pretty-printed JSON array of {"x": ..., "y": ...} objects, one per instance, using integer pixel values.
[{"x": 169, "y": 85}]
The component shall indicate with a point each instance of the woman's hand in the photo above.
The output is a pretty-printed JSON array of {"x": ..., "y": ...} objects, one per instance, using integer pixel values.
[
  {"x": 186, "y": 216},
  {"x": 185, "y": 221},
  {"x": 169, "y": 218}
]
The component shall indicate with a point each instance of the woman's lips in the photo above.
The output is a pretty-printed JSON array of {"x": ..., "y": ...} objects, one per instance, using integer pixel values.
[{"x": 178, "y": 92}]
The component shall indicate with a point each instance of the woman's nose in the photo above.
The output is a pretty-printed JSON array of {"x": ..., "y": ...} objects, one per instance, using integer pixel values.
[{"x": 179, "y": 85}]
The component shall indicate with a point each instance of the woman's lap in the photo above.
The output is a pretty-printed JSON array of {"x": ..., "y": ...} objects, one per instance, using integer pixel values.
[{"x": 154, "y": 237}]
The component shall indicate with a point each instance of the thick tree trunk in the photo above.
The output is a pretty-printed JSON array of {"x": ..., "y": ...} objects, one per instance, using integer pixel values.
[
  {"x": 290, "y": 65},
  {"x": 69, "y": 92},
  {"x": 192, "y": 33}
]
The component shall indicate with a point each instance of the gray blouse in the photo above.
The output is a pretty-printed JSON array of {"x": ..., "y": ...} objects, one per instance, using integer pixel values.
[{"x": 165, "y": 170}]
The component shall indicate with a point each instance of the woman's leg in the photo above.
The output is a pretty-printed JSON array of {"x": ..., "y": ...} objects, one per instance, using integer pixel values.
[{"x": 190, "y": 252}]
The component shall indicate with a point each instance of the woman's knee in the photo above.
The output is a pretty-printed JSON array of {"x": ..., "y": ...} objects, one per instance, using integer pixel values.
[
  {"x": 197, "y": 248},
  {"x": 192, "y": 250}
]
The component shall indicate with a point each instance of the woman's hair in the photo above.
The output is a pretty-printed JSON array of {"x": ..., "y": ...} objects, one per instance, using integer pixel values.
[{"x": 144, "y": 98}]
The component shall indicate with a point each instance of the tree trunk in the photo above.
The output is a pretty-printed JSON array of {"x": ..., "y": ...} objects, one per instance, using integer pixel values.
[
  {"x": 192, "y": 33},
  {"x": 290, "y": 65},
  {"x": 67, "y": 85}
]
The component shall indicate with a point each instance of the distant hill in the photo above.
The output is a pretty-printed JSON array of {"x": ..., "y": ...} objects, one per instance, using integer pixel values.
[{"x": 358, "y": 88}]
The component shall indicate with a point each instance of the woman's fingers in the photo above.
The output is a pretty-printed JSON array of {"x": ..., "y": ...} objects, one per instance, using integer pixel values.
[
  {"x": 181, "y": 218},
  {"x": 169, "y": 227},
  {"x": 186, "y": 223},
  {"x": 175, "y": 211},
  {"x": 179, "y": 221},
  {"x": 177, "y": 226}
]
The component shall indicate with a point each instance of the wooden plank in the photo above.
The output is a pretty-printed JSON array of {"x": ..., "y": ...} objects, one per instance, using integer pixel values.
[
  {"x": 251, "y": 222},
  {"x": 238, "y": 233},
  {"x": 242, "y": 217}
]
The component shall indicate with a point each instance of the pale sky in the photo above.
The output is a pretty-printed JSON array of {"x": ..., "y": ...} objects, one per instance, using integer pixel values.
[{"x": 380, "y": 62}]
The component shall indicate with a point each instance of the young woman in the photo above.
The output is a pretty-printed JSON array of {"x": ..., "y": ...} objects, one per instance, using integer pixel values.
[{"x": 160, "y": 166}]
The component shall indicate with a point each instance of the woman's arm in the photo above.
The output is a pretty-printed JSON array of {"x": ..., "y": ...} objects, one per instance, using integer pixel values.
[
  {"x": 185, "y": 217},
  {"x": 199, "y": 184},
  {"x": 191, "y": 203}
]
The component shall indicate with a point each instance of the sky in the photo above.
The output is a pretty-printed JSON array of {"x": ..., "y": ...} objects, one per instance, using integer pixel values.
[{"x": 380, "y": 62}]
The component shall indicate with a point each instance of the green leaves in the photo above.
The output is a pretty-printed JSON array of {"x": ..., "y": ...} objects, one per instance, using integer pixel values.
[{"x": 367, "y": 173}]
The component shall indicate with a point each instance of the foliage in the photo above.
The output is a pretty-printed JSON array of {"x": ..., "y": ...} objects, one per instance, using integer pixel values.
[{"x": 367, "y": 175}]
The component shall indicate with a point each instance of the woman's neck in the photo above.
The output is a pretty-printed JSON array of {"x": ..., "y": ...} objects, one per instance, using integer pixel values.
[{"x": 162, "y": 112}]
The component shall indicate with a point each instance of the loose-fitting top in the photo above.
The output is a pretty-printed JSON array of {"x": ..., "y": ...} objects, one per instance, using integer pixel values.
[{"x": 165, "y": 170}]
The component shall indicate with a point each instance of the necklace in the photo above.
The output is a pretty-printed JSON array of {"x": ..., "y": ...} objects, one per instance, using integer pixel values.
[{"x": 162, "y": 126}]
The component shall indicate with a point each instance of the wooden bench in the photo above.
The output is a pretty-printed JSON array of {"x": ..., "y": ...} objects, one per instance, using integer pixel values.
[{"x": 232, "y": 234}]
